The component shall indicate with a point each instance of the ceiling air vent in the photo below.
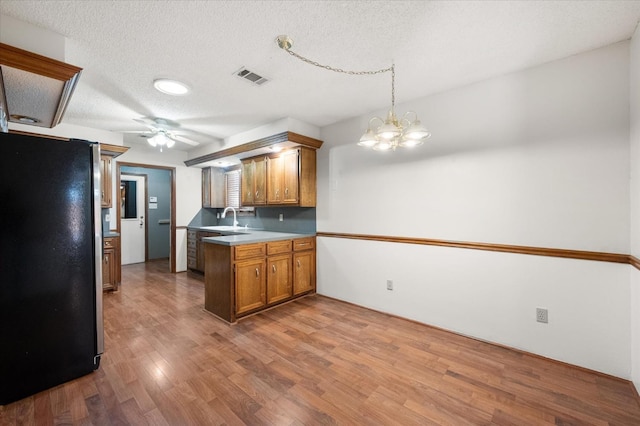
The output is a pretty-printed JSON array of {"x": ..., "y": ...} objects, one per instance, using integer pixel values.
[{"x": 251, "y": 76}]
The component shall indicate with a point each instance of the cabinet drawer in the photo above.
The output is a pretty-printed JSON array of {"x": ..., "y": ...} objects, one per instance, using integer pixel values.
[
  {"x": 108, "y": 242},
  {"x": 191, "y": 243},
  {"x": 277, "y": 247},
  {"x": 191, "y": 262},
  {"x": 304, "y": 244},
  {"x": 248, "y": 251},
  {"x": 191, "y": 252}
]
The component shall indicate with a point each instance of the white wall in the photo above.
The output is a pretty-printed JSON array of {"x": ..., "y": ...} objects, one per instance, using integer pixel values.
[
  {"x": 188, "y": 190},
  {"x": 635, "y": 204},
  {"x": 536, "y": 158}
]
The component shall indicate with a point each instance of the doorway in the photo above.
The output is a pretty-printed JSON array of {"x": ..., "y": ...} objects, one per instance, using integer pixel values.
[
  {"x": 133, "y": 218},
  {"x": 154, "y": 203}
]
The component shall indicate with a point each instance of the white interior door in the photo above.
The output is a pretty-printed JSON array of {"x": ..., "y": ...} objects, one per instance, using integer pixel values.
[{"x": 132, "y": 218}]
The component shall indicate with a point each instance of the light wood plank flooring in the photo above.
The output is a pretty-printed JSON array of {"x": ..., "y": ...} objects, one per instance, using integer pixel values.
[{"x": 313, "y": 361}]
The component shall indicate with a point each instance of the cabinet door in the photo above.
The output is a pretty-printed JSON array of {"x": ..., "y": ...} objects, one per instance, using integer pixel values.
[
  {"x": 247, "y": 183},
  {"x": 206, "y": 187},
  {"x": 279, "y": 278},
  {"x": 192, "y": 242},
  {"x": 290, "y": 177},
  {"x": 260, "y": 181},
  {"x": 251, "y": 286},
  {"x": 304, "y": 272},
  {"x": 105, "y": 183},
  {"x": 108, "y": 275},
  {"x": 275, "y": 192}
]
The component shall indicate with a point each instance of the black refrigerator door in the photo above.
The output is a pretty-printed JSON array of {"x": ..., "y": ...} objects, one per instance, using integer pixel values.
[{"x": 47, "y": 264}]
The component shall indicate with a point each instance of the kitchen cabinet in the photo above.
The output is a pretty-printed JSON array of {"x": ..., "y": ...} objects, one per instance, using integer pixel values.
[
  {"x": 105, "y": 183},
  {"x": 111, "y": 268},
  {"x": 304, "y": 266},
  {"x": 282, "y": 178},
  {"x": 290, "y": 178},
  {"x": 213, "y": 190},
  {"x": 253, "y": 181},
  {"x": 245, "y": 279},
  {"x": 279, "y": 278},
  {"x": 195, "y": 248},
  {"x": 192, "y": 256},
  {"x": 250, "y": 286}
]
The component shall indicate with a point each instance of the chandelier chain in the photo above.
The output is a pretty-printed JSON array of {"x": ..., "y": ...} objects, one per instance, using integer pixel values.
[
  {"x": 340, "y": 70},
  {"x": 391, "y": 69}
]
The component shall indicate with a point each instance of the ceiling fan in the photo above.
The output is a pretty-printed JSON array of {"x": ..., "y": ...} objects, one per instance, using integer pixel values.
[{"x": 163, "y": 132}]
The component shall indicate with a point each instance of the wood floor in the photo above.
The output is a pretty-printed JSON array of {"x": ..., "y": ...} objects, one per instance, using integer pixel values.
[{"x": 313, "y": 361}]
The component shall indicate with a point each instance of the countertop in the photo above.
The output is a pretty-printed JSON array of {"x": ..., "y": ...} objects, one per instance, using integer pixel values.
[
  {"x": 110, "y": 234},
  {"x": 233, "y": 236}
]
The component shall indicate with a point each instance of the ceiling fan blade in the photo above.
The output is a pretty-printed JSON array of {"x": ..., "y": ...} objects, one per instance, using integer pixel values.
[{"x": 182, "y": 139}]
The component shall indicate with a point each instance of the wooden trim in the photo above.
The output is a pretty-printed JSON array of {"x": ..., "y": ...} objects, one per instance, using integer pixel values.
[
  {"x": 634, "y": 261},
  {"x": 112, "y": 150},
  {"x": 105, "y": 148},
  {"x": 257, "y": 144},
  {"x": 506, "y": 248},
  {"x": 488, "y": 342},
  {"x": 32, "y": 62},
  {"x": 634, "y": 390},
  {"x": 172, "y": 236},
  {"x": 39, "y": 135},
  {"x": 13, "y": 57}
]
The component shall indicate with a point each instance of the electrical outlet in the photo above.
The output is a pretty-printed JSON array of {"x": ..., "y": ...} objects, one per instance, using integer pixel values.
[
  {"x": 390, "y": 285},
  {"x": 218, "y": 215},
  {"x": 281, "y": 218},
  {"x": 107, "y": 218},
  {"x": 542, "y": 315}
]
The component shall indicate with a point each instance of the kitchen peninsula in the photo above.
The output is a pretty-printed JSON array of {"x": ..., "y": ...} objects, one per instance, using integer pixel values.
[{"x": 248, "y": 270}]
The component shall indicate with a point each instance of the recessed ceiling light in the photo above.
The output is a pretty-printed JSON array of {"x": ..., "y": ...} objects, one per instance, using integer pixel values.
[
  {"x": 275, "y": 148},
  {"x": 170, "y": 87},
  {"x": 24, "y": 119}
]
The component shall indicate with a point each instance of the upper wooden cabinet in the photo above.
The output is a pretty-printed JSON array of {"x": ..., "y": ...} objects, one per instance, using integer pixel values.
[
  {"x": 253, "y": 181},
  {"x": 290, "y": 178},
  {"x": 107, "y": 154},
  {"x": 283, "y": 178},
  {"x": 213, "y": 187},
  {"x": 105, "y": 183}
]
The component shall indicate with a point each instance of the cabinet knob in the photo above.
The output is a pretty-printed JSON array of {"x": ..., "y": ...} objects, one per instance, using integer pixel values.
[
  {"x": 286, "y": 191},
  {"x": 106, "y": 259},
  {"x": 257, "y": 272},
  {"x": 274, "y": 268},
  {"x": 256, "y": 194},
  {"x": 298, "y": 263}
]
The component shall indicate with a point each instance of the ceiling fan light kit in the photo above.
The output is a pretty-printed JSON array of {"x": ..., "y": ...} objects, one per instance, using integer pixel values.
[{"x": 381, "y": 135}]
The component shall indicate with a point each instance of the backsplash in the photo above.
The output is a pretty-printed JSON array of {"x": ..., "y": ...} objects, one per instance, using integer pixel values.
[{"x": 296, "y": 219}]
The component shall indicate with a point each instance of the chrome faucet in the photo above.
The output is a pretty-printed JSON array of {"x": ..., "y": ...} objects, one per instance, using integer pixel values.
[{"x": 224, "y": 213}]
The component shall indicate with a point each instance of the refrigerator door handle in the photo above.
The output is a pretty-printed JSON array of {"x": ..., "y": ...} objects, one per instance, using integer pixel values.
[{"x": 97, "y": 208}]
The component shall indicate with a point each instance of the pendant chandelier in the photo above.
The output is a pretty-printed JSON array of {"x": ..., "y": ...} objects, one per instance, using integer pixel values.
[{"x": 382, "y": 134}]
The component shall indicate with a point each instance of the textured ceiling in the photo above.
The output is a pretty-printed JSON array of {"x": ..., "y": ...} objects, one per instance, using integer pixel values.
[{"x": 436, "y": 45}]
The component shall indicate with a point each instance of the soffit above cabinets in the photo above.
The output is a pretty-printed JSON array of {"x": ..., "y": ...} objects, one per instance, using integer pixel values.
[
  {"x": 34, "y": 87},
  {"x": 234, "y": 155}
]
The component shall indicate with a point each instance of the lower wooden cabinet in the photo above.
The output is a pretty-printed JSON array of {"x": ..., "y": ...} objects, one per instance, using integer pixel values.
[
  {"x": 304, "y": 272},
  {"x": 195, "y": 248},
  {"x": 111, "y": 268},
  {"x": 245, "y": 279},
  {"x": 278, "y": 278},
  {"x": 251, "y": 286}
]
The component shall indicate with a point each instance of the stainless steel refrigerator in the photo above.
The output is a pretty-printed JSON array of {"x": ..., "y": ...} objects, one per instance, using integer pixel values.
[{"x": 51, "y": 327}]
